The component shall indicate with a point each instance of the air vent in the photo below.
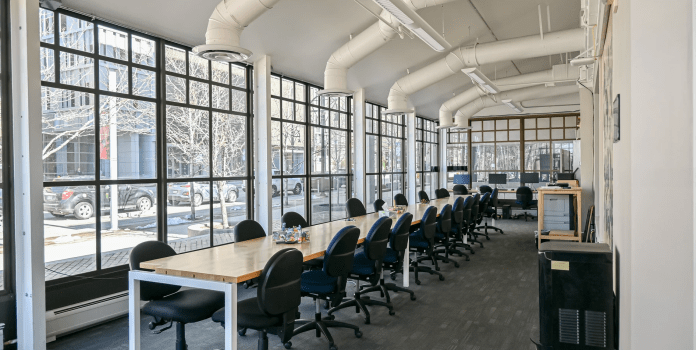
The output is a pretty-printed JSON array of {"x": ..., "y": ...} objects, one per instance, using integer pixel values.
[
  {"x": 596, "y": 329},
  {"x": 569, "y": 326}
]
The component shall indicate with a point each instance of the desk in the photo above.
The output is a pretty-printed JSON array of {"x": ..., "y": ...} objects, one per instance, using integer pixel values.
[
  {"x": 575, "y": 235},
  {"x": 220, "y": 268}
]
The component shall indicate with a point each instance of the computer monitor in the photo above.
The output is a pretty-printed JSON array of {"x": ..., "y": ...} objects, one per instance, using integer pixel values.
[
  {"x": 565, "y": 176},
  {"x": 530, "y": 178},
  {"x": 497, "y": 179}
]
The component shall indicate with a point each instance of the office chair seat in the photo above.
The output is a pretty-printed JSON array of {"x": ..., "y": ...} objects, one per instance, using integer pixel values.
[
  {"x": 187, "y": 306},
  {"x": 362, "y": 265},
  {"x": 417, "y": 240},
  {"x": 317, "y": 281},
  {"x": 249, "y": 315},
  {"x": 391, "y": 257}
]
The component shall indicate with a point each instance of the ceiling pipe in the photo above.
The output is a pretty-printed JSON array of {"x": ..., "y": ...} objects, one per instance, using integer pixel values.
[
  {"x": 517, "y": 95},
  {"x": 225, "y": 27},
  {"x": 361, "y": 46},
  {"x": 480, "y": 54},
  {"x": 558, "y": 73}
]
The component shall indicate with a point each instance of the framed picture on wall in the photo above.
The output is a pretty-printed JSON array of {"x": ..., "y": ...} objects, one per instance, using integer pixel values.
[{"x": 616, "y": 111}]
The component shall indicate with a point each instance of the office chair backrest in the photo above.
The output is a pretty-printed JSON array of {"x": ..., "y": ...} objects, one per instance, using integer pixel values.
[
  {"x": 248, "y": 229},
  {"x": 429, "y": 223},
  {"x": 468, "y": 209},
  {"x": 375, "y": 244},
  {"x": 460, "y": 190},
  {"x": 399, "y": 234},
  {"x": 458, "y": 211},
  {"x": 524, "y": 195},
  {"x": 494, "y": 198},
  {"x": 147, "y": 251},
  {"x": 355, "y": 208},
  {"x": 338, "y": 260},
  {"x": 379, "y": 205},
  {"x": 292, "y": 219},
  {"x": 445, "y": 193},
  {"x": 475, "y": 206},
  {"x": 484, "y": 201},
  {"x": 439, "y": 194},
  {"x": 444, "y": 222},
  {"x": 485, "y": 189},
  {"x": 422, "y": 195},
  {"x": 279, "y": 284},
  {"x": 400, "y": 199}
]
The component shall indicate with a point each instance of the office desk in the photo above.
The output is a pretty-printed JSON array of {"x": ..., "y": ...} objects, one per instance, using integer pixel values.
[
  {"x": 220, "y": 268},
  {"x": 575, "y": 235}
]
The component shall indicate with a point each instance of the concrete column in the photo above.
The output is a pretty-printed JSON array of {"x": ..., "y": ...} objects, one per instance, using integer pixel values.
[
  {"x": 262, "y": 139},
  {"x": 411, "y": 144},
  {"x": 359, "y": 137},
  {"x": 586, "y": 151},
  {"x": 28, "y": 175},
  {"x": 442, "y": 148}
]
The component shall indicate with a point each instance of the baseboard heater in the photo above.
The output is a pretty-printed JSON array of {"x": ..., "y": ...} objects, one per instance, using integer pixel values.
[{"x": 76, "y": 317}]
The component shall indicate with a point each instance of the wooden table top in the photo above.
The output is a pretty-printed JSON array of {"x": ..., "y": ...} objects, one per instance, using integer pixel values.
[{"x": 242, "y": 261}]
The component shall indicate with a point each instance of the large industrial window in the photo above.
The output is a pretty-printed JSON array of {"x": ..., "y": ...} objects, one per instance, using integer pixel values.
[
  {"x": 457, "y": 154},
  {"x": 427, "y": 155},
  {"x": 142, "y": 141},
  {"x": 385, "y": 153}
]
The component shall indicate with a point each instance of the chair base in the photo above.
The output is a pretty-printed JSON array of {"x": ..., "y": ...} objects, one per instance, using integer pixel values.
[
  {"x": 525, "y": 215},
  {"x": 321, "y": 326},
  {"x": 445, "y": 249},
  {"x": 360, "y": 302},
  {"x": 415, "y": 268}
]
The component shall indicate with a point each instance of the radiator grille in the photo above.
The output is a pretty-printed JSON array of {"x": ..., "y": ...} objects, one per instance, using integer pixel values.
[
  {"x": 596, "y": 329},
  {"x": 569, "y": 326}
]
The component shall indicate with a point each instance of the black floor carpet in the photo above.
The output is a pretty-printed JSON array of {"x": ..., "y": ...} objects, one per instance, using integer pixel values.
[{"x": 490, "y": 302}]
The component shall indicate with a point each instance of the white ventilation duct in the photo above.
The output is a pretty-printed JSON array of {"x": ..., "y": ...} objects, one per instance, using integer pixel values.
[
  {"x": 517, "y": 95},
  {"x": 479, "y": 54},
  {"x": 225, "y": 27},
  {"x": 362, "y": 45},
  {"x": 559, "y": 73}
]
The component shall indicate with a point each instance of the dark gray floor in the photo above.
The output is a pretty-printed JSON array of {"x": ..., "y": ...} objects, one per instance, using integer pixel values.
[{"x": 490, "y": 302}]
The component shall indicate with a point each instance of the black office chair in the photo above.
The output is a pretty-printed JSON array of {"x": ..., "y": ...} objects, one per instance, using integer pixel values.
[
  {"x": 379, "y": 205},
  {"x": 475, "y": 215},
  {"x": 455, "y": 231},
  {"x": 492, "y": 212},
  {"x": 460, "y": 190},
  {"x": 396, "y": 252},
  {"x": 167, "y": 303},
  {"x": 367, "y": 266},
  {"x": 441, "y": 193},
  {"x": 485, "y": 189},
  {"x": 423, "y": 196},
  {"x": 525, "y": 199},
  {"x": 468, "y": 210},
  {"x": 354, "y": 207},
  {"x": 292, "y": 219},
  {"x": 329, "y": 283},
  {"x": 400, "y": 199},
  {"x": 442, "y": 235},
  {"x": 422, "y": 242},
  {"x": 274, "y": 308},
  {"x": 244, "y": 231},
  {"x": 483, "y": 207}
]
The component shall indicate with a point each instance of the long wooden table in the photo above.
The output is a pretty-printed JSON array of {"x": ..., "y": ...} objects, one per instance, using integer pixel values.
[{"x": 220, "y": 268}]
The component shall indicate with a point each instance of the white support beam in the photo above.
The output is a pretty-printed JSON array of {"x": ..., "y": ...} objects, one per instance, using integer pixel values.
[
  {"x": 442, "y": 148},
  {"x": 28, "y": 175},
  {"x": 262, "y": 136},
  {"x": 359, "y": 137},
  {"x": 411, "y": 144}
]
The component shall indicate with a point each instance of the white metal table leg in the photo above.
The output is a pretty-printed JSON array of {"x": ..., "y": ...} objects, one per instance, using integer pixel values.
[
  {"x": 133, "y": 312},
  {"x": 230, "y": 316},
  {"x": 407, "y": 263}
]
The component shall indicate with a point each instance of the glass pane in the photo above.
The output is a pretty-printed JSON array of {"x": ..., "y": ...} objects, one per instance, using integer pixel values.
[
  {"x": 221, "y": 72},
  {"x": 324, "y": 117},
  {"x": 501, "y": 135},
  {"x": 557, "y": 134},
  {"x": 229, "y": 209},
  {"x": 288, "y": 88},
  {"x": 476, "y": 137},
  {"x": 113, "y": 43},
  {"x": 275, "y": 85},
  {"x": 275, "y": 148},
  {"x": 300, "y": 112},
  {"x": 198, "y": 93},
  {"x": 221, "y": 97},
  {"x": 239, "y": 101},
  {"x": 76, "y": 70},
  {"x": 372, "y": 192},
  {"x": 530, "y": 123},
  {"x": 46, "y": 26},
  {"x": 288, "y": 110},
  {"x": 113, "y": 77},
  {"x": 229, "y": 145},
  {"x": 144, "y": 83},
  {"x": 514, "y": 124},
  {"x": 501, "y": 124},
  {"x": 488, "y": 125},
  {"x": 313, "y": 97},
  {"x": 76, "y": 34},
  {"x": 530, "y": 135},
  {"x": 300, "y": 92},
  {"x": 127, "y": 139},
  {"x": 292, "y": 198},
  {"x": 335, "y": 121},
  {"x": 48, "y": 68},
  {"x": 508, "y": 156},
  {"x": 198, "y": 66},
  {"x": 339, "y": 186},
  {"x": 128, "y": 218},
  {"x": 319, "y": 156},
  {"x": 175, "y": 60},
  {"x": 488, "y": 136},
  {"x": 483, "y": 156},
  {"x": 419, "y": 156},
  {"x": 238, "y": 76},
  {"x": 515, "y": 135},
  {"x": 188, "y": 215},
  {"x": 372, "y": 153},
  {"x": 543, "y": 123},
  {"x": 387, "y": 155},
  {"x": 339, "y": 152},
  {"x": 176, "y": 89},
  {"x": 70, "y": 246},
  {"x": 387, "y": 194},
  {"x": 293, "y": 139},
  {"x": 187, "y": 142},
  {"x": 557, "y": 122},
  {"x": 543, "y": 134},
  {"x": 570, "y": 133},
  {"x": 68, "y": 134},
  {"x": 275, "y": 108},
  {"x": 143, "y": 51},
  {"x": 570, "y": 122},
  {"x": 314, "y": 115},
  {"x": 537, "y": 156},
  {"x": 320, "y": 187},
  {"x": 476, "y": 125}
]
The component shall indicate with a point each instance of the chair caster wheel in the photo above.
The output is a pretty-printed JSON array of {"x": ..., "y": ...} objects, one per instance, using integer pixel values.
[
  {"x": 473, "y": 252},
  {"x": 456, "y": 264},
  {"x": 418, "y": 282},
  {"x": 330, "y": 317},
  {"x": 413, "y": 298},
  {"x": 242, "y": 332},
  {"x": 437, "y": 269},
  {"x": 488, "y": 238},
  {"x": 442, "y": 278},
  {"x": 287, "y": 345},
  {"x": 392, "y": 312},
  {"x": 358, "y": 334},
  {"x": 367, "y": 321},
  {"x": 151, "y": 325},
  {"x": 393, "y": 277},
  {"x": 333, "y": 347},
  {"x": 467, "y": 259}
]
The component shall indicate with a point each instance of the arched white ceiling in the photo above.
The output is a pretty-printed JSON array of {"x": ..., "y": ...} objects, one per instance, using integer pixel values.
[{"x": 300, "y": 35}]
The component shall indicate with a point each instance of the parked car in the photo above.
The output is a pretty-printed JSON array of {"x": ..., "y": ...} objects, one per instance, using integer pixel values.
[
  {"x": 79, "y": 201},
  {"x": 180, "y": 193}
]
